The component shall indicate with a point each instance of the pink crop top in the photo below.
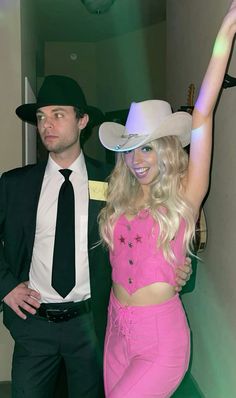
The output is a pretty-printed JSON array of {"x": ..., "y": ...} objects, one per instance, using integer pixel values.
[{"x": 136, "y": 260}]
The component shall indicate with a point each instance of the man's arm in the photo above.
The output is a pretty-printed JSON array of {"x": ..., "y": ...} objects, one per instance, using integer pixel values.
[{"x": 16, "y": 295}]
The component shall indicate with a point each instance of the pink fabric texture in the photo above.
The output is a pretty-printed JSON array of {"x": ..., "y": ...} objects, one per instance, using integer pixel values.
[
  {"x": 147, "y": 349},
  {"x": 136, "y": 260}
]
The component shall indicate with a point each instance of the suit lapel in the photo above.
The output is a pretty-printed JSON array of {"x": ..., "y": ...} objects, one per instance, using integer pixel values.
[
  {"x": 33, "y": 186},
  {"x": 94, "y": 205}
]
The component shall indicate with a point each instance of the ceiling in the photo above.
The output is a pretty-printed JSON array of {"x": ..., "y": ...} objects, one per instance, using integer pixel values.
[{"x": 68, "y": 20}]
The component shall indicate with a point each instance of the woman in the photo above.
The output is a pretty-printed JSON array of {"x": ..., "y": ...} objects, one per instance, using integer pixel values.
[{"x": 154, "y": 196}]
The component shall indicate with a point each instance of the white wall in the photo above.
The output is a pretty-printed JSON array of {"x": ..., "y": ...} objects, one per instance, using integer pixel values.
[{"x": 191, "y": 29}]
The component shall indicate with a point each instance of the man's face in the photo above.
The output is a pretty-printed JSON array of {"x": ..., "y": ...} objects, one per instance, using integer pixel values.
[{"x": 59, "y": 128}]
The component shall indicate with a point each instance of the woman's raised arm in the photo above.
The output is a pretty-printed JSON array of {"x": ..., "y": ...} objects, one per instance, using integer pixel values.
[{"x": 201, "y": 138}]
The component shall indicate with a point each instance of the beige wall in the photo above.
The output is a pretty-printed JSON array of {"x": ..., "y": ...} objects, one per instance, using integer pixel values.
[
  {"x": 211, "y": 307},
  {"x": 114, "y": 72},
  {"x": 6, "y": 349},
  {"x": 10, "y": 83},
  {"x": 18, "y": 59},
  {"x": 11, "y": 139},
  {"x": 30, "y": 43},
  {"x": 18, "y": 49}
]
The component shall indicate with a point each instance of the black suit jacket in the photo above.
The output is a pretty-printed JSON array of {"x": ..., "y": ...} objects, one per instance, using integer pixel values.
[{"x": 19, "y": 195}]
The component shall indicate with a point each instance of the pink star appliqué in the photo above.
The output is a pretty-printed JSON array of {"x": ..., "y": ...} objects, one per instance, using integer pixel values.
[
  {"x": 122, "y": 239},
  {"x": 138, "y": 238}
]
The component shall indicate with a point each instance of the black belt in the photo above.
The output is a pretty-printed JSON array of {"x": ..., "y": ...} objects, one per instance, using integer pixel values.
[{"x": 60, "y": 312}]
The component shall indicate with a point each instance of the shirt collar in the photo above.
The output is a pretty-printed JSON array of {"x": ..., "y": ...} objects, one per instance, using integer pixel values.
[{"x": 78, "y": 166}]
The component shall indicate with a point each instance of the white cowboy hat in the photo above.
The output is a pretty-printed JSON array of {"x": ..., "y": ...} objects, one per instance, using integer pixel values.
[{"x": 146, "y": 121}]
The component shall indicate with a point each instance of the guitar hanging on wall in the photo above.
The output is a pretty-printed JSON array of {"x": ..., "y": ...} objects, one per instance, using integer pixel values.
[{"x": 201, "y": 224}]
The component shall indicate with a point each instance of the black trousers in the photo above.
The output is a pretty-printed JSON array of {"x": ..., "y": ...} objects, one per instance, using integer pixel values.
[{"x": 40, "y": 346}]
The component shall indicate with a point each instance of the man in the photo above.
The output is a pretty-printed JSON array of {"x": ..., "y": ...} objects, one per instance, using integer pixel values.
[{"x": 48, "y": 323}]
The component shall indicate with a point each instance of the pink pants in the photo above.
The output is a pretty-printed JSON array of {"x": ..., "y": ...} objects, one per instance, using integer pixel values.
[{"x": 147, "y": 349}]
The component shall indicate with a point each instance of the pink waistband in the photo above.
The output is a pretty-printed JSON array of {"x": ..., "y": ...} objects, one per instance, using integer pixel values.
[{"x": 152, "y": 308}]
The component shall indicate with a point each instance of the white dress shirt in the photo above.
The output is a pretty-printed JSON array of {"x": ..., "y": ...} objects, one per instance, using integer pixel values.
[{"x": 41, "y": 265}]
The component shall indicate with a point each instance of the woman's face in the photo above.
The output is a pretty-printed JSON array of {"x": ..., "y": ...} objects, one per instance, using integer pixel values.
[{"x": 142, "y": 162}]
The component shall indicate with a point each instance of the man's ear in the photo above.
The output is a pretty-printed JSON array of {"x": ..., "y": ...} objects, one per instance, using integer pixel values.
[{"x": 83, "y": 121}]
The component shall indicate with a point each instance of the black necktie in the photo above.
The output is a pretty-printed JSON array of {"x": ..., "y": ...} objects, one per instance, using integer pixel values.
[{"x": 63, "y": 269}]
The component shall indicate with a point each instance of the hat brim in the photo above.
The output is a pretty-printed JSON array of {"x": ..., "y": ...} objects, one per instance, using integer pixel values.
[
  {"x": 27, "y": 112},
  {"x": 115, "y": 137}
]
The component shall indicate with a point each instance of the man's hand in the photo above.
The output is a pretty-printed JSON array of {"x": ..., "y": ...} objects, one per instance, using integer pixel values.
[
  {"x": 183, "y": 274},
  {"x": 23, "y": 297}
]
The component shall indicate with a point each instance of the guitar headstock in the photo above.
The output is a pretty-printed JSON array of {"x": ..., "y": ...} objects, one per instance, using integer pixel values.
[{"x": 190, "y": 100}]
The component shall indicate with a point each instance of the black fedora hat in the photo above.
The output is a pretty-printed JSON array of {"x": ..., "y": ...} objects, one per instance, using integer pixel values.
[{"x": 59, "y": 90}]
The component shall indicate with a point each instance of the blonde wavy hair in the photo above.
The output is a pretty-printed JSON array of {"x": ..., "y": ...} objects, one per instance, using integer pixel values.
[{"x": 166, "y": 202}]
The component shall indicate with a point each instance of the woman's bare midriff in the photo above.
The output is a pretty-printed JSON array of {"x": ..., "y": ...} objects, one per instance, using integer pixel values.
[{"x": 155, "y": 293}]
